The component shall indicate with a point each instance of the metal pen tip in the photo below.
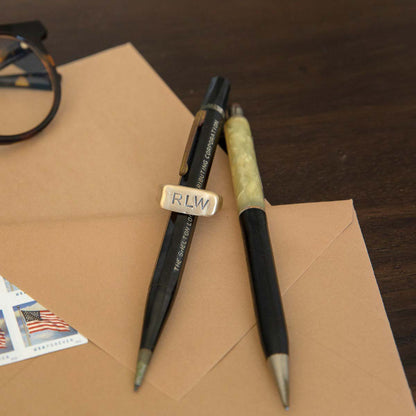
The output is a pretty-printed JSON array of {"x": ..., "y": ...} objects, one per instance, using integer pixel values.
[
  {"x": 142, "y": 364},
  {"x": 279, "y": 364},
  {"x": 236, "y": 110}
]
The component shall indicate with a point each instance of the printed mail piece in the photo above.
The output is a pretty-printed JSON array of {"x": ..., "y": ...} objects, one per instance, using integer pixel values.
[{"x": 81, "y": 230}]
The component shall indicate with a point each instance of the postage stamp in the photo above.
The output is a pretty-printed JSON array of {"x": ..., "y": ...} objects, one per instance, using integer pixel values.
[{"x": 27, "y": 329}]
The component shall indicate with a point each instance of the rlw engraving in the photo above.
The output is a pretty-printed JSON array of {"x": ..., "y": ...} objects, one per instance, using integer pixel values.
[
  {"x": 197, "y": 202},
  {"x": 186, "y": 200}
]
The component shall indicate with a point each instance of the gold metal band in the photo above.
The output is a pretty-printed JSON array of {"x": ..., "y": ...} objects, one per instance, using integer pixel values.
[{"x": 214, "y": 107}]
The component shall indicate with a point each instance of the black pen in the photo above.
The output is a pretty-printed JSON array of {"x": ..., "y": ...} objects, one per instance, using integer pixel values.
[
  {"x": 266, "y": 295},
  {"x": 194, "y": 171}
]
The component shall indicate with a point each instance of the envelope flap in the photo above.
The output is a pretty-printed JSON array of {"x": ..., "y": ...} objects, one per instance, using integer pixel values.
[
  {"x": 94, "y": 273},
  {"x": 346, "y": 316},
  {"x": 326, "y": 378},
  {"x": 342, "y": 353},
  {"x": 300, "y": 233}
]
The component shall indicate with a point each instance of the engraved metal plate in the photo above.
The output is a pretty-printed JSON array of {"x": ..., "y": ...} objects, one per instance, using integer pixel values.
[{"x": 191, "y": 201}]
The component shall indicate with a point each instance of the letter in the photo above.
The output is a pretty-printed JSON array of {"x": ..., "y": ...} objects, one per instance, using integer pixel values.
[
  {"x": 201, "y": 202},
  {"x": 186, "y": 202},
  {"x": 175, "y": 194}
]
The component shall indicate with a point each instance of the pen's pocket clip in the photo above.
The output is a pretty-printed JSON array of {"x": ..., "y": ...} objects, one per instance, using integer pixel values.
[
  {"x": 197, "y": 124},
  {"x": 191, "y": 201}
]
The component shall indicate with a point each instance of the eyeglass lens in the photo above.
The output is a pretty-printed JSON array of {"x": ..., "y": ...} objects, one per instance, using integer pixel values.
[{"x": 26, "y": 91}]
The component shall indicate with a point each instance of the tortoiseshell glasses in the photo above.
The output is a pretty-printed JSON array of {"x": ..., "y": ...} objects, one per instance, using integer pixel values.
[{"x": 30, "y": 87}]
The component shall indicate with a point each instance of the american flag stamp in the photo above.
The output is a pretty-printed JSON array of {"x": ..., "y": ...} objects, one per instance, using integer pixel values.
[{"x": 27, "y": 329}]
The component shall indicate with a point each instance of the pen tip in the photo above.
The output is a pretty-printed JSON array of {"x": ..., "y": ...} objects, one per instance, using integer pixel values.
[
  {"x": 279, "y": 364},
  {"x": 236, "y": 110},
  {"x": 142, "y": 364}
]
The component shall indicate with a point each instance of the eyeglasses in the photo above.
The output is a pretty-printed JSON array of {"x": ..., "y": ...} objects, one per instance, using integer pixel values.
[{"x": 30, "y": 87}]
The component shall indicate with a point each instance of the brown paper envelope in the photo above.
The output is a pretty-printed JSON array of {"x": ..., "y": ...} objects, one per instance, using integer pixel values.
[
  {"x": 104, "y": 266},
  {"x": 80, "y": 209},
  {"x": 81, "y": 231},
  {"x": 343, "y": 357}
]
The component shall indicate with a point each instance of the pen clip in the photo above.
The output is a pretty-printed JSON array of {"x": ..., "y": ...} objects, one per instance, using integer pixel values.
[{"x": 198, "y": 122}]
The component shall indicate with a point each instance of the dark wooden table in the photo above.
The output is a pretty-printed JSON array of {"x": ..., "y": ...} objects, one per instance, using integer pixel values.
[{"x": 329, "y": 87}]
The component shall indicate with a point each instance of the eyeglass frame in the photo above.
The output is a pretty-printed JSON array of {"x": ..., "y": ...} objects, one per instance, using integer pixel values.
[{"x": 33, "y": 33}]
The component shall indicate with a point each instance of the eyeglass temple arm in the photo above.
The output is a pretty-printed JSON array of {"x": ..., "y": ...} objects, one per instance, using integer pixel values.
[
  {"x": 13, "y": 56},
  {"x": 34, "y": 80},
  {"x": 33, "y": 30},
  {"x": 28, "y": 80}
]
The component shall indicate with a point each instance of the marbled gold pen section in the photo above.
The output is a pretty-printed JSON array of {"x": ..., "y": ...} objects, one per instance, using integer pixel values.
[
  {"x": 265, "y": 289},
  {"x": 244, "y": 171}
]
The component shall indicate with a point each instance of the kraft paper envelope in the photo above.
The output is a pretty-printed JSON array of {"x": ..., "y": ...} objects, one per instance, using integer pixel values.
[{"x": 80, "y": 231}]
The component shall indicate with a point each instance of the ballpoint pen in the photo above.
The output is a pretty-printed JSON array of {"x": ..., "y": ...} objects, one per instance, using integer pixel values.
[
  {"x": 250, "y": 201},
  {"x": 194, "y": 171}
]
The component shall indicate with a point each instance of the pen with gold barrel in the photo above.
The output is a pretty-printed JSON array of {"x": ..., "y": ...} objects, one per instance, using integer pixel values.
[{"x": 265, "y": 289}]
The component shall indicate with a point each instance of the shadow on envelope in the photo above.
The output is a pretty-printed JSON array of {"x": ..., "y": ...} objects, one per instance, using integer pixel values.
[{"x": 80, "y": 231}]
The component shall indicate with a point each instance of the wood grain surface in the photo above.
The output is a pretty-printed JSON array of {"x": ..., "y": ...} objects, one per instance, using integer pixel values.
[{"x": 329, "y": 88}]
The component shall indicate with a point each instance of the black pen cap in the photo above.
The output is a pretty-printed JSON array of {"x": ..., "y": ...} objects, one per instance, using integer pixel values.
[{"x": 217, "y": 93}]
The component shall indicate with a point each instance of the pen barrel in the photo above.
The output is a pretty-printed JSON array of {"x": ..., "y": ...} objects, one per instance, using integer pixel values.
[
  {"x": 244, "y": 170},
  {"x": 166, "y": 277},
  {"x": 264, "y": 284},
  {"x": 203, "y": 150},
  {"x": 178, "y": 236}
]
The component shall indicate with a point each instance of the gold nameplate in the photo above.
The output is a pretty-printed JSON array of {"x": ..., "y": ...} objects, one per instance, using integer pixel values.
[{"x": 191, "y": 201}]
